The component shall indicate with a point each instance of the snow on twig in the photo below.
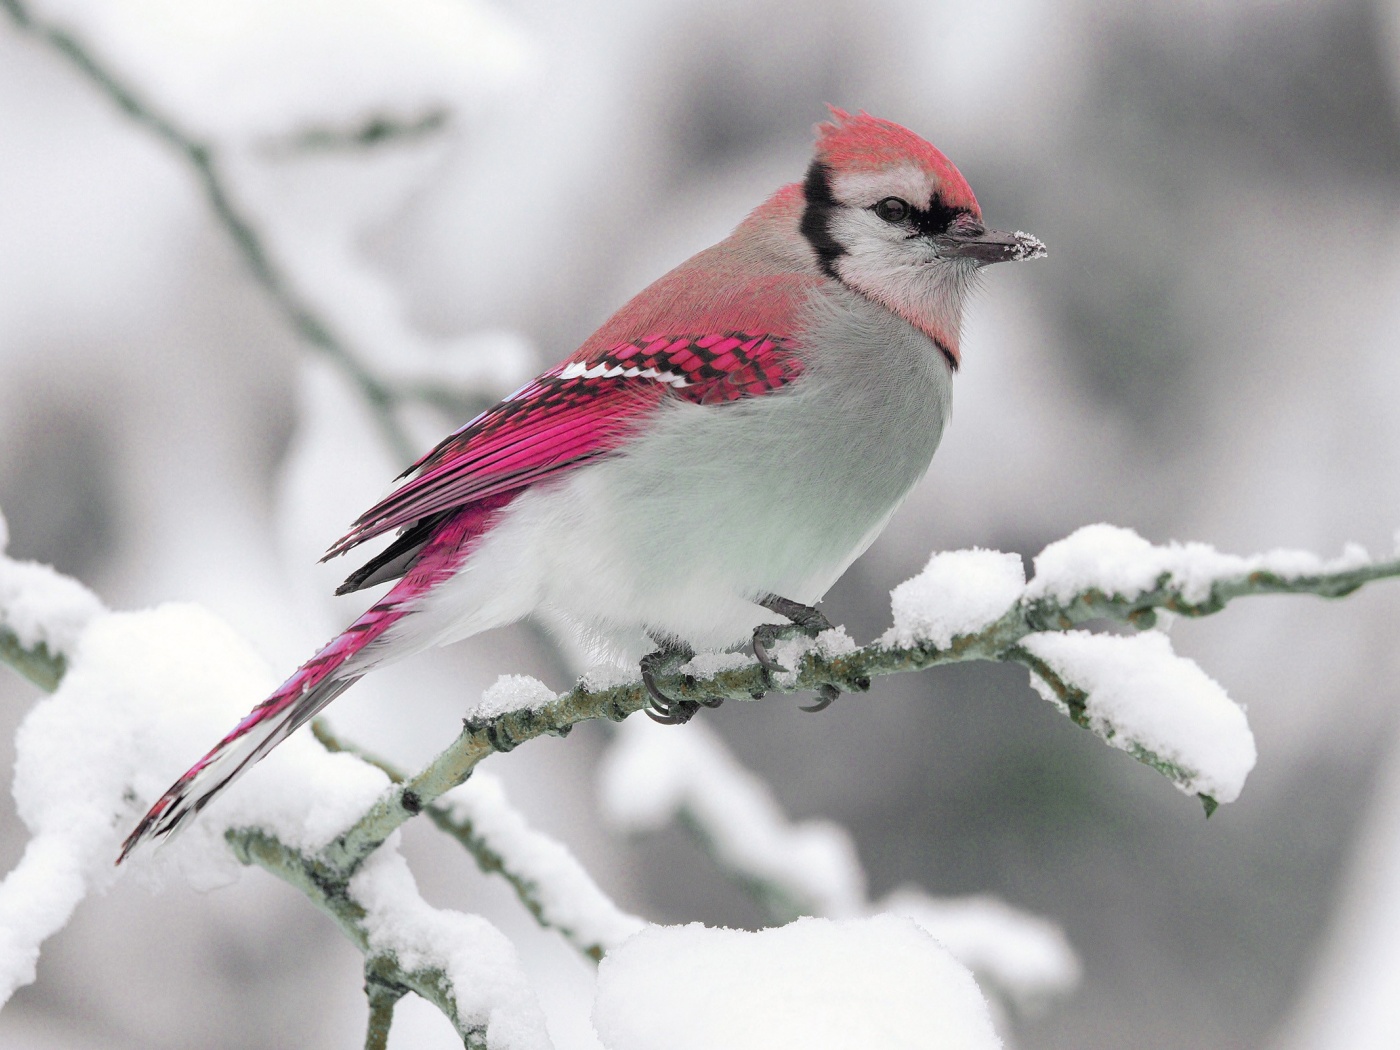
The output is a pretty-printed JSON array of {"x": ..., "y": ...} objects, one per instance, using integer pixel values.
[
  {"x": 1137, "y": 695},
  {"x": 546, "y": 877},
  {"x": 460, "y": 963},
  {"x": 42, "y": 614}
]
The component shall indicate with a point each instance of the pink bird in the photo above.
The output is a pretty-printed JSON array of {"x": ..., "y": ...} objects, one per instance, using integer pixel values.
[{"x": 722, "y": 448}]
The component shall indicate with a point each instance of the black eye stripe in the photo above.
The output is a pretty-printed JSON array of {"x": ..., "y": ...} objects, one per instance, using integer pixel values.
[{"x": 936, "y": 218}]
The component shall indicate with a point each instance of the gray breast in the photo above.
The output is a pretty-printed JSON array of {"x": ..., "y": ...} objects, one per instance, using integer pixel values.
[{"x": 782, "y": 492}]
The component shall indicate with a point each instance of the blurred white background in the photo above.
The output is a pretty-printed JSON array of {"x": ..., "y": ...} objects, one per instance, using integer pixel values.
[{"x": 1212, "y": 352}]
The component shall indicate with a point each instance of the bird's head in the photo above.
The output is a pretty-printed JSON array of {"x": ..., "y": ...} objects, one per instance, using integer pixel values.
[{"x": 889, "y": 216}]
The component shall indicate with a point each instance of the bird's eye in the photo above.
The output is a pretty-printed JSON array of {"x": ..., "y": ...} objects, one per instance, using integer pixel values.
[{"x": 892, "y": 209}]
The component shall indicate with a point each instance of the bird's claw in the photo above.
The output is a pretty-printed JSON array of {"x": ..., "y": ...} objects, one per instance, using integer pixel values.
[
  {"x": 764, "y": 635},
  {"x": 826, "y": 695},
  {"x": 670, "y": 712},
  {"x": 662, "y": 708},
  {"x": 804, "y": 620}
]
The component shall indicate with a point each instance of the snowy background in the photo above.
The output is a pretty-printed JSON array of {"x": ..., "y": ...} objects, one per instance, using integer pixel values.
[{"x": 1210, "y": 353}]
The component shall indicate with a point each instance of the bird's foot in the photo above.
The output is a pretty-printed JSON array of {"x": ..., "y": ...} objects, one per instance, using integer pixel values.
[
  {"x": 764, "y": 637},
  {"x": 662, "y": 708},
  {"x": 804, "y": 620}
]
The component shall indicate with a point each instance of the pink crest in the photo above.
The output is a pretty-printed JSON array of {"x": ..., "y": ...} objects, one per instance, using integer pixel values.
[{"x": 864, "y": 143}]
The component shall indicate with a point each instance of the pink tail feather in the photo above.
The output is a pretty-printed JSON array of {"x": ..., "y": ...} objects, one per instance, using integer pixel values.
[
  {"x": 315, "y": 684},
  {"x": 318, "y": 681}
]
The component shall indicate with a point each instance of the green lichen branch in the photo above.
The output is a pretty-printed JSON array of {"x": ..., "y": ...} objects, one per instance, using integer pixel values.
[
  {"x": 489, "y": 855},
  {"x": 383, "y": 993},
  {"x": 385, "y": 976},
  {"x": 851, "y": 672},
  {"x": 35, "y": 662}
]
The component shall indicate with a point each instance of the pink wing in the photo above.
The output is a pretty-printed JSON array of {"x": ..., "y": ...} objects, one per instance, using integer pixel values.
[{"x": 578, "y": 410}]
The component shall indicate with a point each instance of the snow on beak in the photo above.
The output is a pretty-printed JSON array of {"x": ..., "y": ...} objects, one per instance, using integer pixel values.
[{"x": 988, "y": 246}]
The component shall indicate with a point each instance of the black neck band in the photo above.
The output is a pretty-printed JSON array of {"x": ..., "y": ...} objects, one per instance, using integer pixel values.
[{"x": 816, "y": 218}]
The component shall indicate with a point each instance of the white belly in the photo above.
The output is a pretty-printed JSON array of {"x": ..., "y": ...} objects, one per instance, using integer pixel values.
[{"x": 713, "y": 506}]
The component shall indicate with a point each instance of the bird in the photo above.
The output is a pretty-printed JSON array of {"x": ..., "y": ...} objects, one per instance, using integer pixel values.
[{"x": 719, "y": 451}]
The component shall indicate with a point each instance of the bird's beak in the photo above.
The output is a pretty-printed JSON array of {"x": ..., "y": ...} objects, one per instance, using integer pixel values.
[{"x": 990, "y": 246}]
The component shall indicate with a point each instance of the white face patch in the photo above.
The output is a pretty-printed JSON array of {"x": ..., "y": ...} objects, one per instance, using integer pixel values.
[
  {"x": 873, "y": 244},
  {"x": 901, "y": 272},
  {"x": 862, "y": 189}
]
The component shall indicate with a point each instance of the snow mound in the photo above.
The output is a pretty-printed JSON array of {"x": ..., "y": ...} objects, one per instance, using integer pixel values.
[
  {"x": 1026, "y": 957},
  {"x": 816, "y": 984},
  {"x": 513, "y": 692}
]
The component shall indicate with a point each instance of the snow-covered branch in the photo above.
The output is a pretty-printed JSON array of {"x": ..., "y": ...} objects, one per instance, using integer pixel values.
[
  {"x": 139, "y": 690},
  {"x": 125, "y": 686},
  {"x": 549, "y": 881},
  {"x": 253, "y": 846},
  {"x": 971, "y": 605},
  {"x": 459, "y": 963},
  {"x": 42, "y": 613}
]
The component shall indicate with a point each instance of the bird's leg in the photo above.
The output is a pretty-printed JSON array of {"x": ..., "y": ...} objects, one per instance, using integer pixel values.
[
  {"x": 811, "y": 620},
  {"x": 805, "y": 620},
  {"x": 663, "y": 662}
]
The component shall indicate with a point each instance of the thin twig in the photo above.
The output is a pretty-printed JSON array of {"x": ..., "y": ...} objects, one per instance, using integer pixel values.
[
  {"x": 383, "y": 994},
  {"x": 488, "y": 858},
  {"x": 202, "y": 156},
  {"x": 331, "y": 894},
  {"x": 376, "y": 131}
]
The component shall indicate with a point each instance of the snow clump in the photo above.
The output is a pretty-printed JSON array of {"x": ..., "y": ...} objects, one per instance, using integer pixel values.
[
  {"x": 880, "y": 983},
  {"x": 959, "y": 592},
  {"x": 1117, "y": 561},
  {"x": 1141, "y": 696}
]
